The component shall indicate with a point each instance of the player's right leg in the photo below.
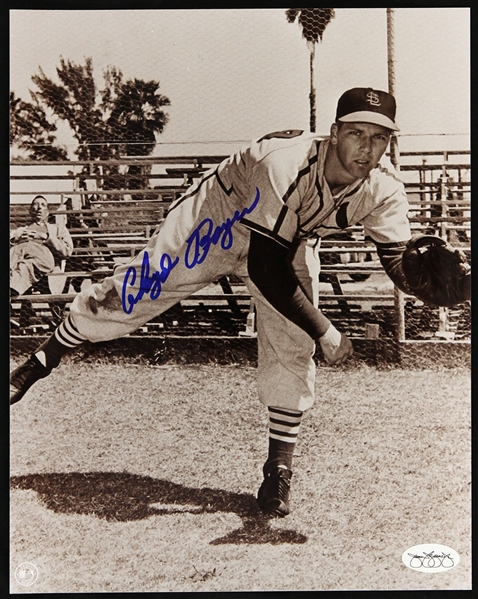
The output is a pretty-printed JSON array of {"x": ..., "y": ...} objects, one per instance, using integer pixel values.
[
  {"x": 103, "y": 312},
  {"x": 40, "y": 364}
]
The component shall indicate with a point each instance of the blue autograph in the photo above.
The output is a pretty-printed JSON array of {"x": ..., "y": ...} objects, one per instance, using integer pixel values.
[
  {"x": 148, "y": 284},
  {"x": 198, "y": 246},
  {"x": 205, "y": 235}
]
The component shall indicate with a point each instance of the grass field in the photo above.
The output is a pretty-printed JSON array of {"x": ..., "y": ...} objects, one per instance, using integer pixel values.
[{"x": 142, "y": 478}]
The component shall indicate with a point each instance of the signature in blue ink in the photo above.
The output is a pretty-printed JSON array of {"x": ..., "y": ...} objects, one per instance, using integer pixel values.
[
  {"x": 148, "y": 284},
  {"x": 205, "y": 235}
]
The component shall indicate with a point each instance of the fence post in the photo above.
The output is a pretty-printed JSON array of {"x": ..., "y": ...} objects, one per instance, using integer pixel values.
[
  {"x": 443, "y": 199},
  {"x": 443, "y": 312},
  {"x": 394, "y": 156}
]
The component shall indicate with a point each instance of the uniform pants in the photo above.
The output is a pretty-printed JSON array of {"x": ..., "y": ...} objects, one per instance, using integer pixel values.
[{"x": 181, "y": 259}]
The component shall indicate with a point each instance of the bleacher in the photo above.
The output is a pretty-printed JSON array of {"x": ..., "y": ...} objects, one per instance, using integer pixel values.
[{"x": 109, "y": 226}]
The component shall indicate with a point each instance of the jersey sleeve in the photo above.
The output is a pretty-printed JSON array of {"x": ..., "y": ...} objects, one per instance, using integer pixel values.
[
  {"x": 273, "y": 216},
  {"x": 388, "y": 223}
]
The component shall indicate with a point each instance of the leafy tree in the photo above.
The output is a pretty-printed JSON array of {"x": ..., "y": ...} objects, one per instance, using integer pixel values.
[
  {"x": 120, "y": 119},
  {"x": 135, "y": 114},
  {"x": 32, "y": 133},
  {"x": 313, "y": 22}
]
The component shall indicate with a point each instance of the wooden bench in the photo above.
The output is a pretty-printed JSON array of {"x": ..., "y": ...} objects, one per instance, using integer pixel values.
[{"x": 113, "y": 231}]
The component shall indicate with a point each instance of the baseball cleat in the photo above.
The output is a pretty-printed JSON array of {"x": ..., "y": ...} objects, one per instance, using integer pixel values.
[
  {"x": 23, "y": 377},
  {"x": 273, "y": 495}
]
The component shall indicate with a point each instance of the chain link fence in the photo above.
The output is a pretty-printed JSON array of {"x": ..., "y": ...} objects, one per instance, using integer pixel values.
[
  {"x": 109, "y": 226},
  {"x": 99, "y": 148}
]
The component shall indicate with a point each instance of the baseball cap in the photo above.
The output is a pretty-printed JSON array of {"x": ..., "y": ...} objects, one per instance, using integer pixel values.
[{"x": 367, "y": 105}]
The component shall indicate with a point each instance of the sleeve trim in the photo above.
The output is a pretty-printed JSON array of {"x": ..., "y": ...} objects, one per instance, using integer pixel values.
[
  {"x": 271, "y": 234},
  {"x": 390, "y": 245},
  {"x": 280, "y": 220}
]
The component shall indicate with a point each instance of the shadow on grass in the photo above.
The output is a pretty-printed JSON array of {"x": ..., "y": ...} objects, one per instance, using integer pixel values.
[{"x": 124, "y": 497}]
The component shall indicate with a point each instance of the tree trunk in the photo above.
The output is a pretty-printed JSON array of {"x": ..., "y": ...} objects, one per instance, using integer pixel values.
[{"x": 312, "y": 89}]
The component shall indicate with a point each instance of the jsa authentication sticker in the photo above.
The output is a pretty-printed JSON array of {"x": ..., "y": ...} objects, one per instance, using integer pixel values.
[{"x": 430, "y": 558}]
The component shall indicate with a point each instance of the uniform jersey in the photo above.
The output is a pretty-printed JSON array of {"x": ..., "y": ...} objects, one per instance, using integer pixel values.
[
  {"x": 275, "y": 186},
  {"x": 295, "y": 199}
]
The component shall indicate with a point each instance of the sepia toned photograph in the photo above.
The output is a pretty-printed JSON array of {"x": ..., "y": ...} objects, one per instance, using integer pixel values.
[{"x": 240, "y": 307}]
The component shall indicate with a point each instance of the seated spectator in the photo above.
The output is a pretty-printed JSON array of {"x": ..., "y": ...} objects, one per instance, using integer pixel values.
[{"x": 36, "y": 248}]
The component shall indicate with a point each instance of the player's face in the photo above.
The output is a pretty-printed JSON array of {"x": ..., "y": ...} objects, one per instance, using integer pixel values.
[{"x": 358, "y": 147}]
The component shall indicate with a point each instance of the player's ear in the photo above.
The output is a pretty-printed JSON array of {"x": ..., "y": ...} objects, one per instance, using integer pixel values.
[{"x": 333, "y": 133}]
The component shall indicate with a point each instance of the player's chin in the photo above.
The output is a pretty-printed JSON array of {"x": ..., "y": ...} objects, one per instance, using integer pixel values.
[{"x": 361, "y": 168}]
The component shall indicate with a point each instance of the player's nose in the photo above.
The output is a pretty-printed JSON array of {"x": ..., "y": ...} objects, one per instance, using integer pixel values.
[{"x": 366, "y": 145}]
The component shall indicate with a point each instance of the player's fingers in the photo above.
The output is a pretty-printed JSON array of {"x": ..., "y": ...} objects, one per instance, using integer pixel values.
[{"x": 339, "y": 360}]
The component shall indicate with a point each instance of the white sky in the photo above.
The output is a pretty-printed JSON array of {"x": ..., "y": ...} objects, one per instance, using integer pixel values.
[{"x": 233, "y": 75}]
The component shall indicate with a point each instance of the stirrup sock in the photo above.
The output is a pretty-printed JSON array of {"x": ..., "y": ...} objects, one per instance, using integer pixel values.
[
  {"x": 65, "y": 338},
  {"x": 284, "y": 426}
]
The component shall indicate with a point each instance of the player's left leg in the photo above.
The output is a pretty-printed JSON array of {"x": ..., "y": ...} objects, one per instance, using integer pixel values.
[
  {"x": 286, "y": 381},
  {"x": 167, "y": 270}
]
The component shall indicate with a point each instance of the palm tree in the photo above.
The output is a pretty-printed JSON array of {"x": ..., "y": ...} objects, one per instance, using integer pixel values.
[
  {"x": 120, "y": 119},
  {"x": 313, "y": 22},
  {"x": 136, "y": 113}
]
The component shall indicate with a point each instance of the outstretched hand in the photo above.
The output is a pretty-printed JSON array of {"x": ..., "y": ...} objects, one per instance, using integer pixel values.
[{"x": 336, "y": 346}]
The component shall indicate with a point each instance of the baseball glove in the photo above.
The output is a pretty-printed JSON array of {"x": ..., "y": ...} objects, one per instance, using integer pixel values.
[{"x": 436, "y": 273}]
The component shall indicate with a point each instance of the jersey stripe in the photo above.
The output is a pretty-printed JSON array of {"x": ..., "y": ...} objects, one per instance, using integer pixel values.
[
  {"x": 265, "y": 232},
  {"x": 335, "y": 208},
  {"x": 223, "y": 187},
  {"x": 355, "y": 189},
  {"x": 280, "y": 219},
  {"x": 305, "y": 171},
  {"x": 319, "y": 209},
  {"x": 193, "y": 192}
]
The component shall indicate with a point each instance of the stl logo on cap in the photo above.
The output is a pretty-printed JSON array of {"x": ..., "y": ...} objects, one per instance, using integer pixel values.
[
  {"x": 373, "y": 99},
  {"x": 367, "y": 105}
]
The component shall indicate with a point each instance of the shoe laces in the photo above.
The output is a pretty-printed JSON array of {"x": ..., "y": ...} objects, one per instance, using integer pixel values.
[{"x": 283, "y": 483}]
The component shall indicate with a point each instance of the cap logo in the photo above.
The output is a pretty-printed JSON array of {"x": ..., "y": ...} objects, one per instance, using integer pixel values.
[
  {"x": 368, "y": 105},
  {"x": 373, "y": 99}
]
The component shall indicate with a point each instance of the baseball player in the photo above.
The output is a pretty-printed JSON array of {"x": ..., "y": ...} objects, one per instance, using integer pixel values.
[{"x": 260, "y": 215}]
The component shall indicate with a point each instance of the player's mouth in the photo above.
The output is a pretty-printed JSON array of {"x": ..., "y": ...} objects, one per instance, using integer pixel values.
[{"x": 363, "y": 165}]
